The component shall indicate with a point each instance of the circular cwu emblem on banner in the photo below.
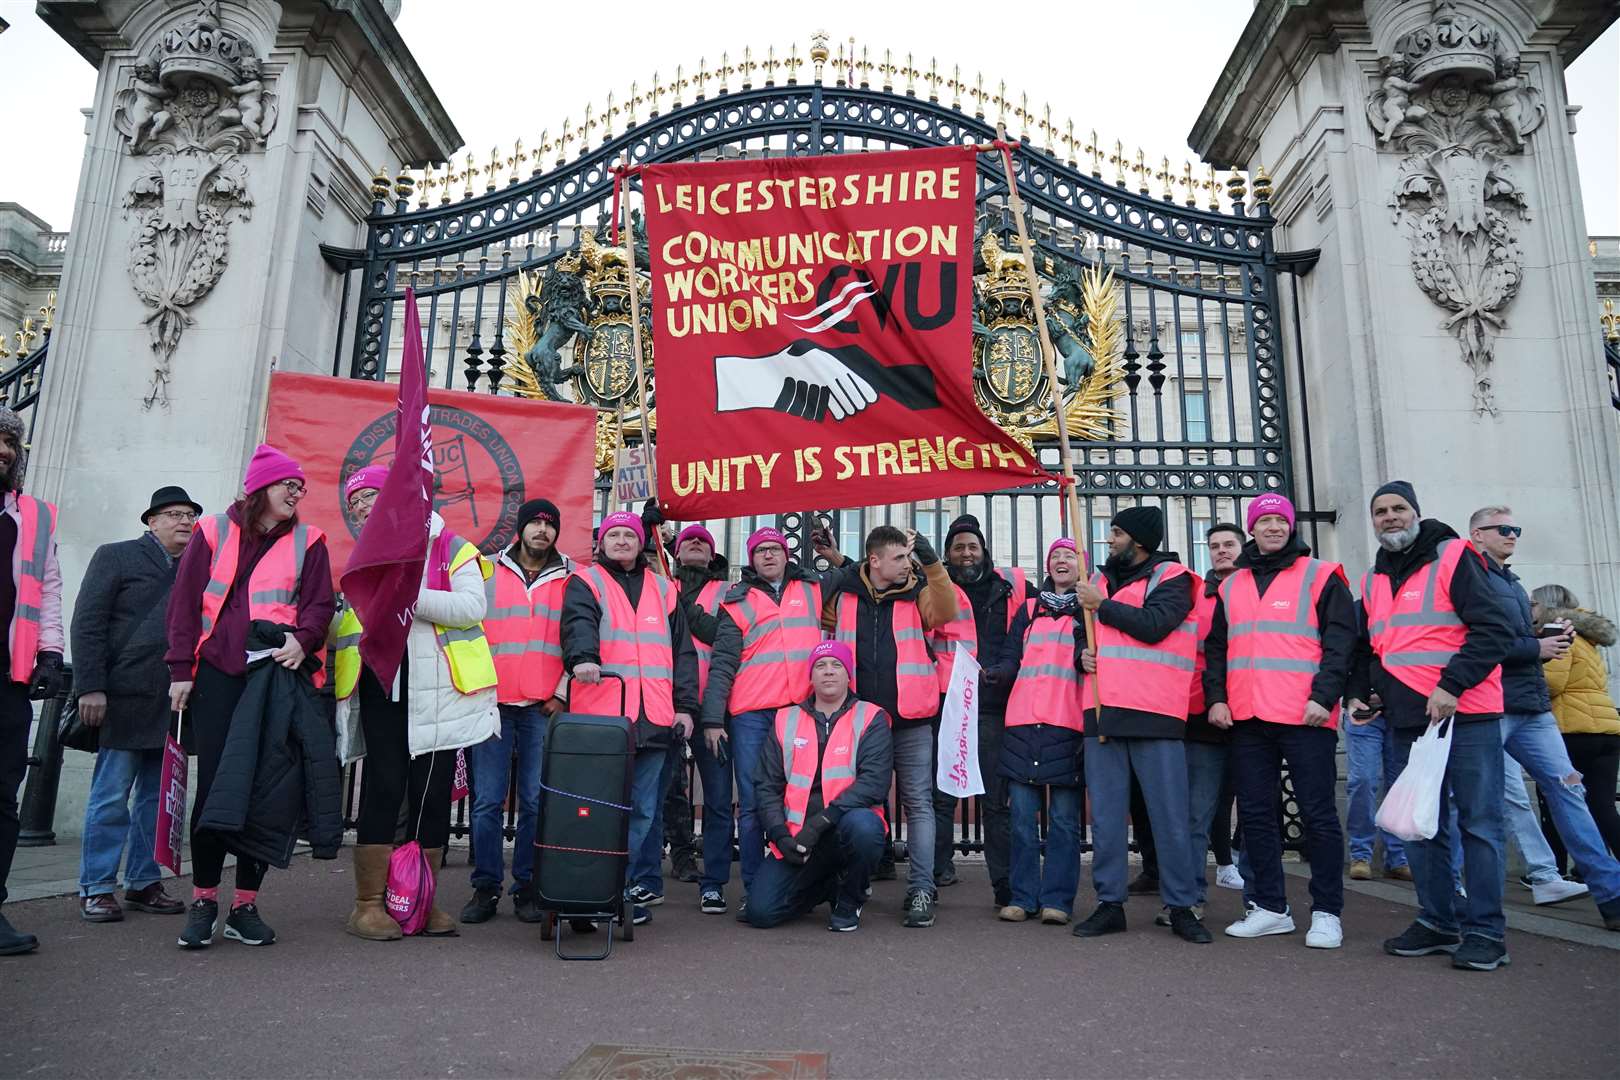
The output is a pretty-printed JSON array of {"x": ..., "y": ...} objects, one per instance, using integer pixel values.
[{"x": 477, "y": 478}]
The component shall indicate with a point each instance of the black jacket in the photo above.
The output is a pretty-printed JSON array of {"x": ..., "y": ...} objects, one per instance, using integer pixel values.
[
  {"x": 728, "y": 640},
  {"x": 875, "y": 653},
  {"x": 874, "y": 770},
  {"x": 990, "y": 594},
  {"x": 1165, "y": 608},
  {"x": 691, "y": 580},
  {"x": 1036, "y": 753},
  {"x": 1335, "y": 621},
  {"x": 581, "y": 642},
  {"x": 119, "y": 635},
  {"x": 1489, "y": 635},
  {"x": 278, "y": 776},
  {"x": 1199, "y": 729},
  {"x": 1524, "y": 687}
]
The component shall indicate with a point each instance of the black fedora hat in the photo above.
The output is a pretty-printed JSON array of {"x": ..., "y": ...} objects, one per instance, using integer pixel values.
[{"x": 169, "y": 496}]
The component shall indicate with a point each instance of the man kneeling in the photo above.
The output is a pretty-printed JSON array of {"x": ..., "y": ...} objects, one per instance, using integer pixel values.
[{"x": 820, "y": 785}]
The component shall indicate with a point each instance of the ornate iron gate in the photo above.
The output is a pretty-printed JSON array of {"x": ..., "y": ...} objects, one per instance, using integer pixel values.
[{"x": 1174, "y": 372}]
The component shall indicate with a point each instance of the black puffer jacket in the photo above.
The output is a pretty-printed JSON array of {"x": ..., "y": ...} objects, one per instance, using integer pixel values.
[
  {"x": 1164, "y": 609},
  {"x": 1524, "y": 687},
  {"x": 691, "y": 580},
  {"x": 1037, "y": 753},
  {"x": 278, "y": 776}
]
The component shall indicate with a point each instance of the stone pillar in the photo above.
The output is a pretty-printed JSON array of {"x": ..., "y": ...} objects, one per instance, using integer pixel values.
[
  {"x": 227, "y": 142},
  {"x": 1449, "y": 338}
]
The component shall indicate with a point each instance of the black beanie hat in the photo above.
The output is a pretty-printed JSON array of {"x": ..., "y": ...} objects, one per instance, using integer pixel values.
[
  {"x": 1401, "y": 488},
  {"x": 967, "y": 523},
  {"x": 1145, "y": 524},
  {"x": 544, "y": 509}
]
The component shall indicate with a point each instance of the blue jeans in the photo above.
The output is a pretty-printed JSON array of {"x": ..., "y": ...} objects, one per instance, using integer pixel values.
[
  {"x": 1161, "y": 768},
  {"x": 1054, "y": 886},
  {"x": 1524, "y": 825},
  {"x": 111, "y": 829},
  {"x": 523, "y": 733},
  {"x": 1474, "y": 780},
  {"x": 1206, "y": 777},
  {"x": 837, "y": 869},
  {"x": 914, "y": 779},
  {"x": 747, "y": 741},
  {"x": 1370, "y": 748},
  {"x": 645, "y": 795},
  {"x": 651, "y": 859},
  {"x": 1533, "y": 739}
]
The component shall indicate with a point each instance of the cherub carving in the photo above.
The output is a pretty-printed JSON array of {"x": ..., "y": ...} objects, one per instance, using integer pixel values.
[
  {"x": 146, "y": 112},
  {"x": 252, "y": 110},
  {"x": 1513, "y": 112},
  {"x": 1392, "y": 106}
]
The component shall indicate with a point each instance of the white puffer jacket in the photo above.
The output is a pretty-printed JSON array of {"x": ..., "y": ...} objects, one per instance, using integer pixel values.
[{"x": 440, "y": 716}]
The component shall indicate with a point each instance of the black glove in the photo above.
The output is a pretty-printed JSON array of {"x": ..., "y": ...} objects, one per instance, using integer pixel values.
[
  {"x": 651, "y": 516},
  {"x": 46, "y": 681},
  {"x": 924, "y": 551},
  {"x": 810, "y": 835},
  {"x": 789, "y": 846}
]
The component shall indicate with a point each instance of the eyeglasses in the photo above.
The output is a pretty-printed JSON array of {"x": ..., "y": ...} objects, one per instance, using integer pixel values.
[
  {"x": 294, "y": 487},
  {"x": 182, "y": 516},
  {"x": 1509, "y": 530},
  {"x": 362, "y": 498}
]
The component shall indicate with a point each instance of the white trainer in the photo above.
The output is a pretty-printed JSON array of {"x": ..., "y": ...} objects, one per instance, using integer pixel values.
[
  {"x": 1259, "y": 922},
  {"x": 1326, "y": 932},
  {"x": 1227, "y": 877},
  {"x": 1557, "y": 891}
]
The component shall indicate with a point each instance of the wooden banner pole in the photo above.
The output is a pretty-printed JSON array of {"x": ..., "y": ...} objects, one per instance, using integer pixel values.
[{"x": 1047, "y": 359}]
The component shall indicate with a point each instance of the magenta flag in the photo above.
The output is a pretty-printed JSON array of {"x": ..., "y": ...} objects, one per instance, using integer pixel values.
[{"x": 384, "y": 572}]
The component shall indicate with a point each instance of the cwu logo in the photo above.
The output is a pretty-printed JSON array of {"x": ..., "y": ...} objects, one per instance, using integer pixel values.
[{"x": 478, "y": 481}]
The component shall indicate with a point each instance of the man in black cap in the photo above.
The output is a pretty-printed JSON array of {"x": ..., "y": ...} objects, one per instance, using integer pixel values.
[
  {"x": 119, "y": 677},
  {"x": 1142, "y": 669},
  {"x": 990, "y": 597}
]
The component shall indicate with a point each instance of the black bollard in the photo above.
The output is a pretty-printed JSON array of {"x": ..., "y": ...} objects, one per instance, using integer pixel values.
[{"x": 37, "y": 813}]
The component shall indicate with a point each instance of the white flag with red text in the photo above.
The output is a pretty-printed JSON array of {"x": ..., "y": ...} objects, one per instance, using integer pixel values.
[{"x": 958, "y": 772}]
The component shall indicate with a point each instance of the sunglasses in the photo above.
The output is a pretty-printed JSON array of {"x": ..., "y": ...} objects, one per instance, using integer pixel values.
[{"x": 1508, "y": 530}]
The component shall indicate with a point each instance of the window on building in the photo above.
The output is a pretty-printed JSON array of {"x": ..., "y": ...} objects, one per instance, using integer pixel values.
[
  {"x": 1191, "y": 342},
  {"x": 1195, "y": 416},
  {"x": 851, "y": 536},
  {"x": 1100, "y": 533},
  {"x": 1200, "y": 545}
]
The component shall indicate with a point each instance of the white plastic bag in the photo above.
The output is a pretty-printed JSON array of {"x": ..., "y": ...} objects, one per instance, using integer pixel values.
[{"x": 1411, "y": 809}]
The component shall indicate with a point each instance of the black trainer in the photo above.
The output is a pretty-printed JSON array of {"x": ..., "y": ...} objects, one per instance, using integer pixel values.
[
  {"x": 14, "y": 942},
  {"x": 526, "y": 904},
  {"x": 843, "y": 919},
  {"x": 919, "y": 909},
  {"x": 712, "y": 902},
  {"x": 244, "y": 925},
  {"x": 946, "y": 876},
  {"x": 1185, "y": 925},
  {"x": 1419, "y": 940},
  {"x": 642, "y": 896},
  {"x": 1109, "y": 918},
  {"x": 481, "y": 908},
  {"x": 1003, "y": 894},
  {"x": 201, "y": 922},
  {"x": 1479, "y": 953},
  {"x": 683, "y": 867}
]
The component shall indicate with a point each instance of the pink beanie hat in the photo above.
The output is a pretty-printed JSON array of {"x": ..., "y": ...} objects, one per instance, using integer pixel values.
[
  {"x": 1269, "y": 503},
  {"x": 268, "y": 466},
  {"x": 1061, "y": 543},
  {"x": 838, "y": 651},
  {"x": 767, "y": 535},
  {"x": 624, "y": 519},
  {"x": 372, "y": 476},
  {"x": 695, "y": 532}
]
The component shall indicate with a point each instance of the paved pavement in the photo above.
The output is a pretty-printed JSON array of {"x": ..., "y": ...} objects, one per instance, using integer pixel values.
[{"x": 970, "y": 997}]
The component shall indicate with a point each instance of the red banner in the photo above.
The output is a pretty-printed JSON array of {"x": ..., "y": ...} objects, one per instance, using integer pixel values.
[
  {"x": 812, "y": 320},
  {"x": 490, "y": 455}
]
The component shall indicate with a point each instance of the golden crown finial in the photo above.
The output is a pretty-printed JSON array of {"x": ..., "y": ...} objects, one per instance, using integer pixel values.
[
  {"x": 1236, "y": 188},
  {"x": 404, "y": 185},
  {"x": 1262, "y": 185}
]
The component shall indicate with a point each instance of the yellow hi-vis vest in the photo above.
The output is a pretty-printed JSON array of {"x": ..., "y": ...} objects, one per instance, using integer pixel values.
[{"x": 472, "y": 666}]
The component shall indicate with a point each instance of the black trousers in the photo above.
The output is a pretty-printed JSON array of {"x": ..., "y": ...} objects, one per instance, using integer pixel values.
[
  {"x": 1597, "y": 758},
  {"x": 391, "y": 778},
  {"x": 16, "y": 716},
  {"x": 994, "y": 816},
  {"x": 214, "y": 695}
]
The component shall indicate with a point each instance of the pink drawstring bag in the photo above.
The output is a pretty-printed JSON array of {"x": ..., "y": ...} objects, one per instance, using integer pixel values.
[{"x": 410, "y": 888}]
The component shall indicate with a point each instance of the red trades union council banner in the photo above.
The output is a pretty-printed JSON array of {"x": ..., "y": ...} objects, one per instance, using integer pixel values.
[
  {"x": 490, "y": 455},
  {"x": 812, "y": 322}
]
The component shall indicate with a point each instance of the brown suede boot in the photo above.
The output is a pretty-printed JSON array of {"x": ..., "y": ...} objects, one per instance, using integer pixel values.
[
  {"x": 439, "y": 924},
  {"x": 370, "y": 919}
]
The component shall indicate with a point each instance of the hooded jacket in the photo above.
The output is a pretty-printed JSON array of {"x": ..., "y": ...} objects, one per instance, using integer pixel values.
[
  {"x": 1036, "y": 753},
  {"x": 874, "y": 771},
  {"x": 1488, "y": 634},
  {"x": 1335, "y": 621},
  {"x": 875, "y": 655},
  {"x": 989, "y": 593},
  {"x": 1579, "y": 680},
  {"x": 1165, "y": 608},
  {"x": 691, "y": 580},
  {"x": 728, "y": 640},
  {"x": 581, "y": 642},
  {"x": 278, "y": 776},
  {"x": 1524, "y": 687}
]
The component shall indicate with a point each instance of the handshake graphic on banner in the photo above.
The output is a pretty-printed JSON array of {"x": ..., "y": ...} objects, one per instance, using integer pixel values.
[{"x": 809, "y": 380}]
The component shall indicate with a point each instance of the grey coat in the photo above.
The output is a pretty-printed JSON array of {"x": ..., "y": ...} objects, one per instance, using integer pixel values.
[{"x": 119, "y": 637}]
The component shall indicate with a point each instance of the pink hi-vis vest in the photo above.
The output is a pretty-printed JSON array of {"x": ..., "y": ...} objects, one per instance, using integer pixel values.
[
  {"x": 1146, "y": 677},
  {"x": 1047, "y": 690},
  {"x": 1203, "y": 612},
  {"x": 708, "y": 598},
  {"x": 1415, "y": 635},
  {"x": 916, "y": 682},
  {"x": 34, "y": 537},
  {"x": 777, "y": 639},
  {"x": 1274, "y": 643},
  {"x": 796, "y": 733},
  {"x": 1019, "y": 581},
  {"x": 273, "y": 585},
  {"x": 635, "y": 645},
  {"x": 961, "y": 630},
  {"x": 524, "y": 628}
]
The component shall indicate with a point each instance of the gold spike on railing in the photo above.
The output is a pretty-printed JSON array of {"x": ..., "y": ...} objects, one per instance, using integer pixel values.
[
  {"x": 841, "y": 66},
  {"x": 491, "y": 168},
  {"x": 887, "y": 69},
  {"x": 980, "y": 99},
  {"x": 680, "y": 83},
  {"x": 380, "y": 184},
  {"x": 1069, "y": 143},
  {"x": 725, "y": 71},
  {"x": 956, "y": 86},
  {"x": 1118, "y": 160},
  {"x": 654, "y": 94},
  {"x": 933, "y": 79},
  {"x": 1095, "y": 149},
  {"x": 426, "y": 187},
  {"x": 1190, "y": 184},
  {"x": 447, "y": 182},
  {"x": 609, "y": 111},
  {"x": 586, "y": 127},
  {"x": 910, "y": 72},
  {"x": 1213, "y": 189},
  {"x": 469, "y": 172},
  {"x": 631, "y": 104},
  {"x": 772, "y": 65},
  {"x": 1164, "y": 176},
  {"x": 1609, "y": 319},
  {"x": 700, "y": 81},
  {"x": 1141, "y": 170},
  {"x": 794, "y": 63},
  {"x": 515, "y": 161},
  {"x": 863, "y": 70},
  {"x": 747, "y": 68},
  {"x": 48, "y": 312}
]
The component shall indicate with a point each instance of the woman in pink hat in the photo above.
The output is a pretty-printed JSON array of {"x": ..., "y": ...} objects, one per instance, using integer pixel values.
[{"x": 253, "y": 562}]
